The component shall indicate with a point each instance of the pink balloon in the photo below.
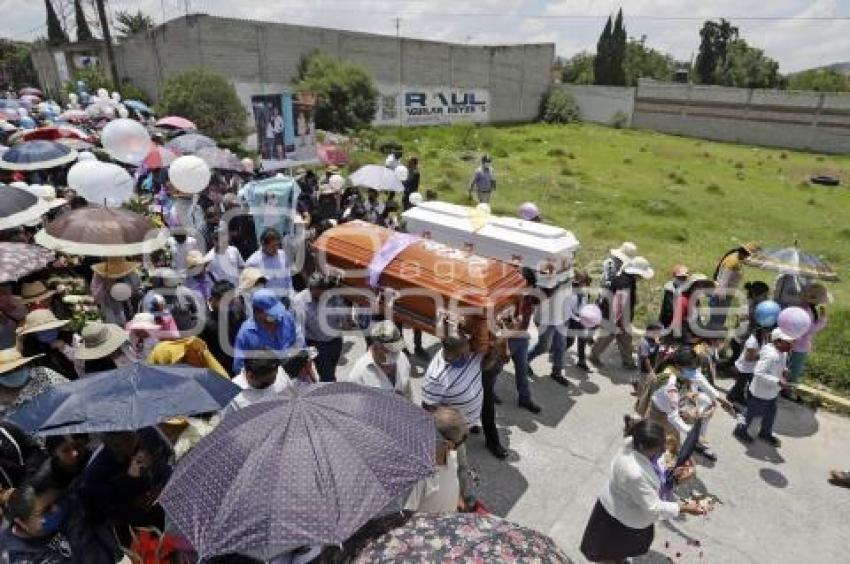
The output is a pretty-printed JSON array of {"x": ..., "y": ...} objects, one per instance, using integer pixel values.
[
  {"x": 590, "y": 316},
  {"x": 794, "y": 321}
]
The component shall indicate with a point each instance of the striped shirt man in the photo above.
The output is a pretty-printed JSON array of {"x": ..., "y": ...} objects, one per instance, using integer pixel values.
[{"x": 455, "y": 384}]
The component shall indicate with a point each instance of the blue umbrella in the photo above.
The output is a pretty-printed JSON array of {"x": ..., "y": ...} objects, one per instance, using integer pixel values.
[
  {"x": 37, "y": 155},
  {"x": 129, "y": 398},
  {"x": 310, "y": 468},
  {"x": 138, "y": 106}
]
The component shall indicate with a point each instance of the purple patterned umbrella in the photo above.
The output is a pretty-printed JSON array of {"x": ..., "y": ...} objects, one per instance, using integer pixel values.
[
  {"x": 459, "y": 537},
  {"x": 310, "y": 468},
  {"x": 19, "y": 259}
]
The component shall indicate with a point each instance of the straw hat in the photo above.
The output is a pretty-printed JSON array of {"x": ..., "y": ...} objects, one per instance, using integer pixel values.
[
  {"x": 40, "y": 320},
  {"x": 751, "y": 247},
  {"x": 115, "y": 267},
  {"x": 815, "y": 294},
  {"x": 100, "y": 340},
  {"x": 11, "y": 359},
  {"x": 249, "y": 278},
  {"x": 142, "y": 322},
  {"x": 626, "y": 252},
  {"x": 639, "y": 266},
  {"x": 196, "y": 258},
  {"x": 35, "y": 292}
]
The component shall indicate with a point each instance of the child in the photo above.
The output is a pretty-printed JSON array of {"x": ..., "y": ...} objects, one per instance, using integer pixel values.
[{"x": 648, "y": 353}]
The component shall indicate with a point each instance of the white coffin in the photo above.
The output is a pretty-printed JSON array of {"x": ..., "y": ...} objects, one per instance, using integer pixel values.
[{"x": 546, "y": 249}]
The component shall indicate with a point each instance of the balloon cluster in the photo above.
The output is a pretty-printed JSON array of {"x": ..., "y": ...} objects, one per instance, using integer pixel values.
[{"x": 105, "y": 105}]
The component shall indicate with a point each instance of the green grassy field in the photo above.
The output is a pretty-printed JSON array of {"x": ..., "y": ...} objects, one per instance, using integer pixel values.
[{"x": 681, "y": 200}]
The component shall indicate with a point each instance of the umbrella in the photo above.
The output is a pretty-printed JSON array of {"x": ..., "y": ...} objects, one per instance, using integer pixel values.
[
  {"x": 37, "y": 155},
  {"x": 791, "y": 260},
  {"x": 74, "y": 116},
  {"x": 18, "y": 207},
  {"x": 460, "y": 537},
  {"x": 102, "y": 232},
  {"x": 55, "y": 133},
  {"x": 309, "y": 468},
  {"x": 159, "y": 157},
  {"x": 140, "y": 107},
  {"x": 19, "y": 259},
  {"x": 331, "y": 154},
  {"x": 31, "y": 99},
  {"x": 125, "y": 399},
  {"x": 190, "y": 143},
  {"x": 220, "y": 159},
  {"x": 377, "y": 177},
  {"x": 30, "y": 91},
  {"x": 175, "y": 122}
]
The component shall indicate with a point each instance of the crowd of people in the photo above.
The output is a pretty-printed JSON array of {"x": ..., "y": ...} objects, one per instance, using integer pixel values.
[{"x": 222, "y": 297}]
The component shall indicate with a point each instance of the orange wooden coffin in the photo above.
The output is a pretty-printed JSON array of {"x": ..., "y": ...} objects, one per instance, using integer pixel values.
[{"x": 427, "y": 285}]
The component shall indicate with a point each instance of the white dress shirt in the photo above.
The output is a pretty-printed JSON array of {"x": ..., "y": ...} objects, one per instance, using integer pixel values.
[
  {"x": 631, "y": 494},
  {"x": 769, "y": 370},
  {"x": 249, "y": 396},
  {"x": 366, "y": 372}
]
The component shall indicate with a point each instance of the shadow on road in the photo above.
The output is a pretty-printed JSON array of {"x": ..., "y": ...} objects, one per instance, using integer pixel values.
[
  {"x": 795, "y": 420},
  {"x": 773, "y": 477}
]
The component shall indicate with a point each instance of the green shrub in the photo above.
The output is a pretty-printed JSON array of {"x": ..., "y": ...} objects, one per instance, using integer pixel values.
[
  {"x": 346, "y": 94},
  {"x": 559, "y": 107},
  {"x": 130, "y": 91},
  {"x": 207, "y": 99},
  {"x": 94, "y": 77}
]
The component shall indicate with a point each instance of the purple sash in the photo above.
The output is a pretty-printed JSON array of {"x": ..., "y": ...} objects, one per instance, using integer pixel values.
[{"x": 391, "y": 249}]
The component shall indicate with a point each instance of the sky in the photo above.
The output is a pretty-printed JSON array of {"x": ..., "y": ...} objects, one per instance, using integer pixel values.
[{"x": 798, "y": 33}]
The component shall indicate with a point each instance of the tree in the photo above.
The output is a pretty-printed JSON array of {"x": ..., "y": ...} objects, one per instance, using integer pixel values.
[
  {"x": 618, "y": 52},
  {"x": 579, "y": 68},
  {"x": 715, "y": 39},
  {"x": 602, "y": 63},
  {"x": 346, "y": 95},
  {"x": 55, "y": 34},
  {"x": 207, "y": 99},
  {"x": 130, "y": 24},
  {"x": 644, "y": 62},
  {"x": 16, "y": 69},
  {"x": 83, "y": 31},
  {"x": 747, "y": 67},
  {"x": 820, "y": 80}
]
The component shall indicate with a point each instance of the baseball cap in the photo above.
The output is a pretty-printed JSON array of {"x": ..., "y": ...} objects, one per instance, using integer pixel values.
[
  {"x": 266, "y": 301},
  {"x": 779, "y": 335},
  {"x": 386, "y": 333}
]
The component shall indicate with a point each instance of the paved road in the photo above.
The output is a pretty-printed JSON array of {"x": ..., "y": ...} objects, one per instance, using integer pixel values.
[{"x": 775, "y": 505}]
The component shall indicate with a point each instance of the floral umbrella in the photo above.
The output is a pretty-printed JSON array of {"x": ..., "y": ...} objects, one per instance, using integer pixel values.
[
  {"x": 19, "y": 259},
  {"x": 461, "y": 537}
]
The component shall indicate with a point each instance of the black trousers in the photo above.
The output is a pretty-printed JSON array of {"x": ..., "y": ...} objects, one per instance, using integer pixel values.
[
  {"x": 488, "y": 407},
  {"x": 329, "y": 353}
]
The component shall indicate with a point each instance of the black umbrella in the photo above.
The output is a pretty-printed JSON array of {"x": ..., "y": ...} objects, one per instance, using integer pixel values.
[
  {"x": 19, "y": 207},
  {"x": 37, "y": 155}
]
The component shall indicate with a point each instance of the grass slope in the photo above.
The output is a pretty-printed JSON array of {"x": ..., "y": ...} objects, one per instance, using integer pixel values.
[{"x": 680, "y": 199}]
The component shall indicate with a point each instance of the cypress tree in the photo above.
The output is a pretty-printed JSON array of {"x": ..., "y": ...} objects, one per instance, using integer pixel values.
[
  {"x": 83, "y": 31},
  {"x": 617, "y": 72},
  {"x": 55, "y": 34},
  {"x": 602, "y": 63}
]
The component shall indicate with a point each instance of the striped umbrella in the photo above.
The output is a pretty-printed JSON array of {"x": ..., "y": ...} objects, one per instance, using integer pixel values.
[
  {"x": 19, "y": 207},
  {"x": 37, "y": 155},
  {"x": 60, "y": 132}
]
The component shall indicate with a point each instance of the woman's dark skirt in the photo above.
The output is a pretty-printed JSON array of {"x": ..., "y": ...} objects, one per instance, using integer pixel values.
[{"x": 605, "y": 538}]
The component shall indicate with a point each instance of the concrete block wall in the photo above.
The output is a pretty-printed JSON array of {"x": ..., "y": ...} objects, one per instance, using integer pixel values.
[
  {"x": 602, "y": 104},
  {"x": 260, "y": 57}
]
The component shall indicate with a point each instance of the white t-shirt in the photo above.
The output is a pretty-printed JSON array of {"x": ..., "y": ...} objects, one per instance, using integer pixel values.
[
  {"x": 438, "y": 493},
  {"x": 249, "y": 396},
  {"x": 743, "y": 365},
  {"x": 225, "y": 266},
  {"x": 366, "y": 372}
]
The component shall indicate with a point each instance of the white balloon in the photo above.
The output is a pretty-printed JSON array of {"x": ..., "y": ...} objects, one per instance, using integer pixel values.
[
  {"x": 101, "y": 183},
  {"x": 102, "y": 93},
  {"x": 337, "y": 182},
  {"x": 401, "y": 172},
  {"x": 120, "y": 292},
  {"x": 248, "y": 164},
  {"x": 86, "y": 156},
  {"x": 116, "y": 97},
  {"x": 415, "y": 199},
  {"x": 126, "y": 140},
  {"x": 189, "y": 174},
  {"x": 122, "y": 112}
]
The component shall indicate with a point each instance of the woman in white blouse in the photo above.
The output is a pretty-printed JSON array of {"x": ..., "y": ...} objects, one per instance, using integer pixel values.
[{"x": 622, "y": 524}]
